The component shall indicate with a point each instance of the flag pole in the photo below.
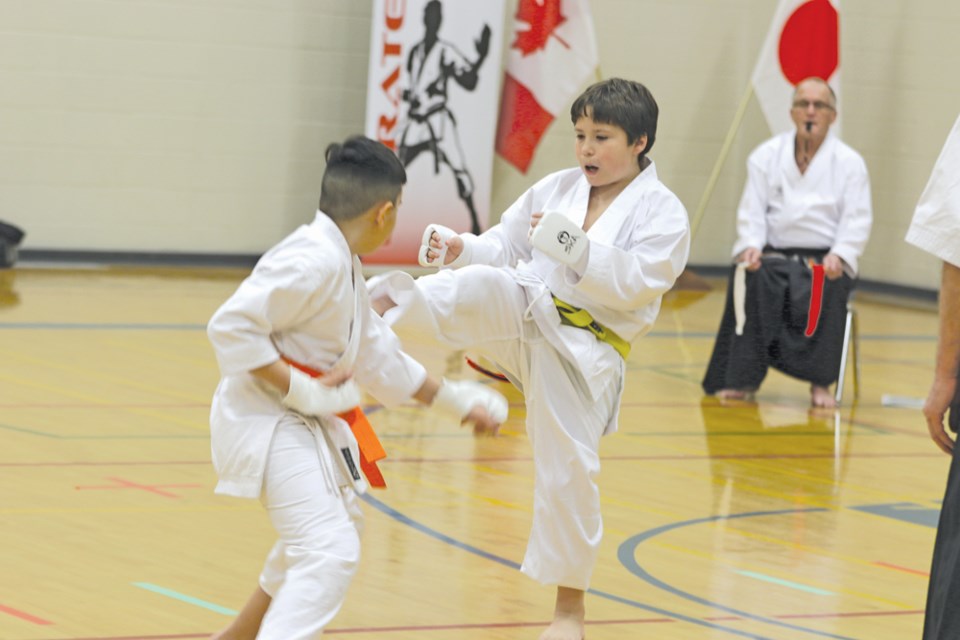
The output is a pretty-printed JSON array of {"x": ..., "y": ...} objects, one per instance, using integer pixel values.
[{"x": 721, "y": 160}]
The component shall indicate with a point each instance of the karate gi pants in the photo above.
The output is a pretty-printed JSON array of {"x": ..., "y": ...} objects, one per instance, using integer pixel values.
[
  {"x": 484, "y": 309},
  {"x": 942, "y": 618},
  {"x": 776, "y": 307},
  {"x": 308, "y": 570}
]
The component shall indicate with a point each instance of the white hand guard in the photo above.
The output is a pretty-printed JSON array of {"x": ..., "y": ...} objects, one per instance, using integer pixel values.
[
  {"x": 559, "y": 237},
  {"x": 445, "y": 233},
  {"x": 459, "y": 398},
  {"x": 312, "y": 398}
]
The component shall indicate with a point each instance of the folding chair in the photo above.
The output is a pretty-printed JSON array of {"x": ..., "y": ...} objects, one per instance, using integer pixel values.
[{"x": 851, "y": 343}]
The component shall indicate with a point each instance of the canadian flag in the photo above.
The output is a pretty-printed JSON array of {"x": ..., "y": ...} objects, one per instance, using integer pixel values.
[
  {"x": 803, "y": 41},
  {"x": 553, "y": 52}
]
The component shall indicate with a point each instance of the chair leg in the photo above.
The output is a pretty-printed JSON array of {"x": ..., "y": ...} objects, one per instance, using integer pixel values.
[
  {"x": 847, "y": 330},
  {"x": 855, "y": 344}
]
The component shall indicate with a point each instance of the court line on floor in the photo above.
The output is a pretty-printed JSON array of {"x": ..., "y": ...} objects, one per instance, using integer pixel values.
[
  {"x": 176, "y": 595},
  {"x": 23, "y": 615},
  {"x": 433, "y": 533},
  {"x": 627, "y": 556},
  {"x": 135, "y": 326},
  {"x": 488, "y": 460},
  {"x": 510, "y": 625}
]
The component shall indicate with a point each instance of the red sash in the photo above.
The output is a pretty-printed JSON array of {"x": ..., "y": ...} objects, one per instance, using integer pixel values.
[
  {"x": 370, "y": 448},
  {"x": 816, "y": 300}
]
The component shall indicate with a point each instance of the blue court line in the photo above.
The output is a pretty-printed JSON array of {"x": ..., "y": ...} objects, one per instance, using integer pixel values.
[
  {"x": 786, "y": 583},
  {"x": 433, "y": 533},
  {"x": 184, "y": 598},
  {"x": 904, "y": 512},
  {"x": 58, "y": 436},
  {"x": 627, "y": 555},
  {"x": 135, "y": 326}
]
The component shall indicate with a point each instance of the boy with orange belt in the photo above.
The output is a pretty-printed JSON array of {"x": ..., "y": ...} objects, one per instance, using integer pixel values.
[{"x": 278, "y": 428}]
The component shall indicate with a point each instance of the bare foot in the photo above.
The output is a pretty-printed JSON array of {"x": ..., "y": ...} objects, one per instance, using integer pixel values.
[
  {"x": 747, "y": 395},
  {"x": 821, "y": 397},
  {"x": 564, "y": 629},
  {"x": 567, "y": 617}
]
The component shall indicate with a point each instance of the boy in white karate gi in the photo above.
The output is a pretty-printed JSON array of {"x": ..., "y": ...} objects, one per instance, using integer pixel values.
[
  {"x": 554, "y": 295},
  {"x": 275, "y": 430}
]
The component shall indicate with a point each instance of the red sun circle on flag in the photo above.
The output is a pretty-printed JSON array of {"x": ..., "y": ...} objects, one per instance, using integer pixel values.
[{"x": 809, "y": 42}]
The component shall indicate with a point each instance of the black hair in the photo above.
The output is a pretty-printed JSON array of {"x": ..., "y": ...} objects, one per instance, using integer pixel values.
[
  {"x": 624, "y": 103},
  {"x": 360, "y": 174}
]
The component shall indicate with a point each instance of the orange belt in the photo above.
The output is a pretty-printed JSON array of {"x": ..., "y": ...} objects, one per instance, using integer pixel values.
[{"x": 370, "y": 448}]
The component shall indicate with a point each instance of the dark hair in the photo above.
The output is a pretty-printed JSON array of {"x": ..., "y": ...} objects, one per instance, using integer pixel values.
[
  {"x": 624, "y": 103},
  {"x": 360, "y": 174}
]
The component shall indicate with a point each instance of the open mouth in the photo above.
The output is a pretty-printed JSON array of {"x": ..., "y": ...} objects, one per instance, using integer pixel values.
[{"x": 590, "y": 169}]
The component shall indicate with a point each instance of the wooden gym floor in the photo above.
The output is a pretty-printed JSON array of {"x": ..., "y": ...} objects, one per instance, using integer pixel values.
[{"x": 750, "y": 520}]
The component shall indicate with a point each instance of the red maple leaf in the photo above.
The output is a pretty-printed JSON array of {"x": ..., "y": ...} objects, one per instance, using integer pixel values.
[{"x": 542, "y": 18}]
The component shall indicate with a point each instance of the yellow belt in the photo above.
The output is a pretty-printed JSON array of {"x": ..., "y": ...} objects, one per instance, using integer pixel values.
[{"x": 581, "y": 318}]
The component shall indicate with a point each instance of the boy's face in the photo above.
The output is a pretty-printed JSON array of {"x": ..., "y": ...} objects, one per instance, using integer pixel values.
[{"x": 605, "y": 156}]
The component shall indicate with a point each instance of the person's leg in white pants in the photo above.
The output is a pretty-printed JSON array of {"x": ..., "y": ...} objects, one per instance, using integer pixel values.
[{"x": 318, "y": 551}]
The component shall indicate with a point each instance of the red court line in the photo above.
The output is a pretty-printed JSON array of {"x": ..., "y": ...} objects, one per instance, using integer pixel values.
[
  {"x": 887, "y": 565},
  {"x": 23, "y": 615},
  {"x": 126, "y": 463},
  {"x": 691, "y": 457},
  {"x": 106, "y": 405},
  {"x": 517, "y": 625},
  {"x": 422, "y": 628},
  {"x": 129, "y": 484}
]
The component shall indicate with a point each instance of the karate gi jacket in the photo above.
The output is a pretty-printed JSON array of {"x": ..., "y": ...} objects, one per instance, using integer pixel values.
[
  {"x": 303, "y": 299},
  {"x": 828, "y": 207},
  {"x": 638, "y": 247},
  {"x": 935, "y": 227}
]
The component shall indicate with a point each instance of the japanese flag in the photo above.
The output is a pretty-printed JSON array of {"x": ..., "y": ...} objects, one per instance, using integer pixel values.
[
  {"x": 552, "y": 54},
  {"x": 803, "y": 41}
]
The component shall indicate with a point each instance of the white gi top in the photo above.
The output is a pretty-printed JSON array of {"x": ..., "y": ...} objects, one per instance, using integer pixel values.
[
  {"x": 936, "y": 222},
  {"x": 638, "y": 247},
  {"x": 826, "y": 207},
  {"x": 299, "y": 301}
]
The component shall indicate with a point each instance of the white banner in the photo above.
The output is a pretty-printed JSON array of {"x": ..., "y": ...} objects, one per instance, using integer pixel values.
[{"x": 432, "y": 98}]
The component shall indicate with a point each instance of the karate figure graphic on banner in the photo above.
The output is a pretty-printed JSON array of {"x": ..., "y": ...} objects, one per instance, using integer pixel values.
[
  {"x": 431, "y": 125},
  {"x": 432, "y": 97}
]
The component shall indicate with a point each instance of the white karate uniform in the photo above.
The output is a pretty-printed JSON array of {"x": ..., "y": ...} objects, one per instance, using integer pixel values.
[
  {"x": 500, "y": 305},
  {"x": 935, "y": 227},
  {"x": 827, "y": 207},
  {"x": 305, "y": 300}
]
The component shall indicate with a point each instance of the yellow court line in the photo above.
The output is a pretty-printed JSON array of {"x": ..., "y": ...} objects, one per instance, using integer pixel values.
[
  {"x": 108, "y": 404},
  {"x": 78, "y": 372}
]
